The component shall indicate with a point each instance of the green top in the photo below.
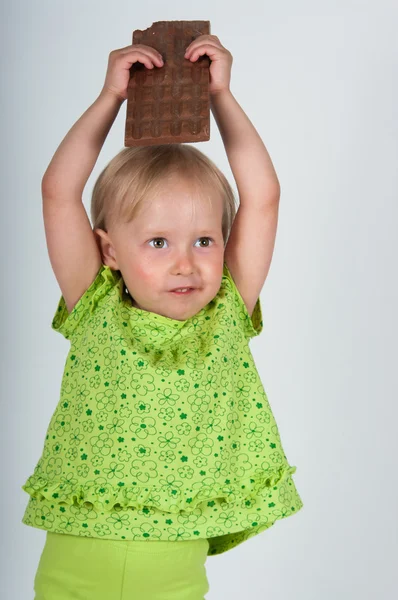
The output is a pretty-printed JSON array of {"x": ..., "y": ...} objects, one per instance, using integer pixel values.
[{"x": 163, "y": 429}]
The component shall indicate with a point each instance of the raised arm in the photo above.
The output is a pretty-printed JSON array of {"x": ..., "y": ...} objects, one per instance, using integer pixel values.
[
  {"x": 250, "y": 245},
  {"x": 72, "y": 247},
  {"x": 251, "y": 165},
  {"x": 75, "y": 157}
]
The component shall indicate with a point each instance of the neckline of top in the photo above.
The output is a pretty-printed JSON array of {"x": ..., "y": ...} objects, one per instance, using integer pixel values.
[{"x": 157, "y": 318}]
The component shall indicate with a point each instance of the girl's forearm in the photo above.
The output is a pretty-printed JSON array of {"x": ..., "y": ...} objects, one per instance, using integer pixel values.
[
  {"x": 250, "y": 162},
  {"x": 75, "y": 157}
]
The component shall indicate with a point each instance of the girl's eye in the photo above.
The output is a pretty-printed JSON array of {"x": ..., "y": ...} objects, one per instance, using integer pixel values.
[
  {"x": 156, "y": 239},
  {"x": 163, "y": 239},
  {"x": 206, "y": 238}
]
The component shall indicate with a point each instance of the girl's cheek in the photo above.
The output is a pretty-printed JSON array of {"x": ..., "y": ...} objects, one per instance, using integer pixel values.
[{"x": 145, "y": 271}]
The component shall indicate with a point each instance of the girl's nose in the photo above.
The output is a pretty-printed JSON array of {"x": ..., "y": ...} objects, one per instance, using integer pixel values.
[{"x": 184, "y": 264}]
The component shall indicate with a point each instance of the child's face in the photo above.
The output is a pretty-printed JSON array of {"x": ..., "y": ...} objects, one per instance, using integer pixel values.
[{"x": 175, "y": 241}]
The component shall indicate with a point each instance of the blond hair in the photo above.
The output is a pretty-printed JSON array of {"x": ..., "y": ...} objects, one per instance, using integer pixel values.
[{"x": 136, "y": 172}]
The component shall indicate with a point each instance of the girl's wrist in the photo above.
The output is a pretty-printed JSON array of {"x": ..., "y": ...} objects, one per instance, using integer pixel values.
[{"x": 111, "y": 97}]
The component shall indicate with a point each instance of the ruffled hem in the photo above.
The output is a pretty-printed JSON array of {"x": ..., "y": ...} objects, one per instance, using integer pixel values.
[{"x": 106, "y": 498}]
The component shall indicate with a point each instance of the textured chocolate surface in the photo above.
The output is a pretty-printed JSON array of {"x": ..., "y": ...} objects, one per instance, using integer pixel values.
[{"x": 169, "y": 104}]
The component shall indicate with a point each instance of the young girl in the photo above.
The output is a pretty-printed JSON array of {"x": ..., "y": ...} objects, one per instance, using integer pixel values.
[{"x": 163, "y": 448}]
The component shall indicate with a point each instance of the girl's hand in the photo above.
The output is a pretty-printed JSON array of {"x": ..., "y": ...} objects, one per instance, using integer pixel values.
[
  {"x": 119, "y": 64},
  {"x": 221, "y": 61}
]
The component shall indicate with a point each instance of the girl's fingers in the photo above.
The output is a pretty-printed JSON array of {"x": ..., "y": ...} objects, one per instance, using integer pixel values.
[
  {"x": 192, "y": 48},
  {"x": 203, "y": 39},
  {"x": 200, "y": 49},
  {"x": 150, "y": 52},
  {"x": 139, "y": 49},
  {"x": 142, "y": 57}
]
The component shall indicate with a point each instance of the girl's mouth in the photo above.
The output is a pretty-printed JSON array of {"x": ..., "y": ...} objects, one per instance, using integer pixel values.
[{"x": 183, "y": 291}]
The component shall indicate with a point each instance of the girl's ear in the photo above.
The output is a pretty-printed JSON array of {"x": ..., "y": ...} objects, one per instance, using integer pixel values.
[{"x": 106, "y": 248}]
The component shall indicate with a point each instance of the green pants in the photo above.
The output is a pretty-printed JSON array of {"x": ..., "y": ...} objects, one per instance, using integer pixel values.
[{"x": 86, "y": 568}]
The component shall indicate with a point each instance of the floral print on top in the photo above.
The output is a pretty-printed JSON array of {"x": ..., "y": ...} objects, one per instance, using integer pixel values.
[{"x": 163, "y": 429}]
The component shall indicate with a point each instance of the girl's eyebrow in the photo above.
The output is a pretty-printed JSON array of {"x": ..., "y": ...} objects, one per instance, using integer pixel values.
[{"x": 167, "y": 232}]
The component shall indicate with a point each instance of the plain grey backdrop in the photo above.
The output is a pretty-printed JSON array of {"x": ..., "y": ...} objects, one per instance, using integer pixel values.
[{"x": 319, "y": 81}]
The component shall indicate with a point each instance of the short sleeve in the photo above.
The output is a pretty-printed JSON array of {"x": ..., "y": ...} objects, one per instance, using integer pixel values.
[
  {"x": 253, "y": 325},
  {"x": 68, "y": 323}
]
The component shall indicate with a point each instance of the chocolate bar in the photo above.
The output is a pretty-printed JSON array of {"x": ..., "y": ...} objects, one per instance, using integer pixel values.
[{"x": 169, "y": 104}]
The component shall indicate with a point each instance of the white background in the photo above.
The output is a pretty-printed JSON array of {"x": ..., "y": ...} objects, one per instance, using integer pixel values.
[{"x": 319, "y": 81}]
